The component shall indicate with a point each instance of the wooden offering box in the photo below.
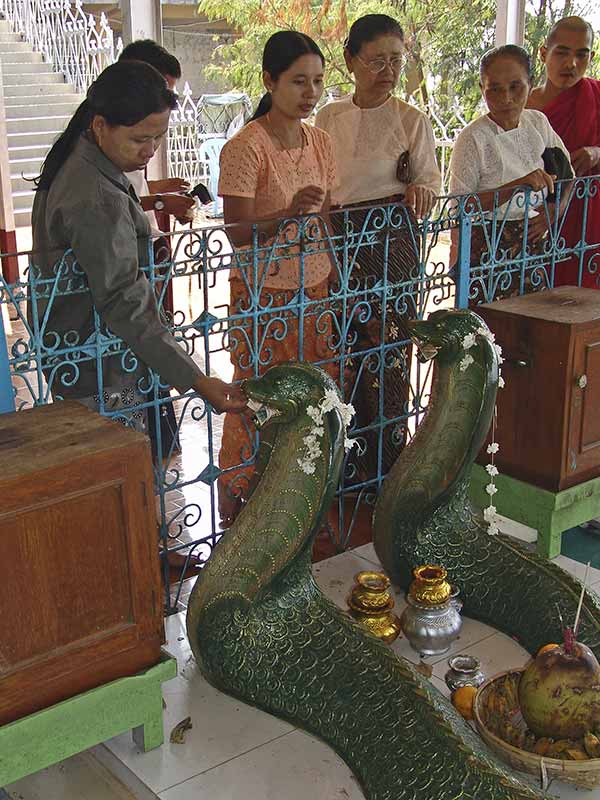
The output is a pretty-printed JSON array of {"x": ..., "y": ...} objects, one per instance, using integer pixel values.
[
  {"x": 549, "y": 411},
  {"x": 80, "y": 588}
]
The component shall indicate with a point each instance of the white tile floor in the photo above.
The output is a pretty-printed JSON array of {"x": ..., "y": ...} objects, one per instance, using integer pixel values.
[{"x": 234, "y": 752}]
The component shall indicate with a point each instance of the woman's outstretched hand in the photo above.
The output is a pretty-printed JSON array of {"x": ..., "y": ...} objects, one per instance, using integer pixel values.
[{"x": 222, "y": 396}]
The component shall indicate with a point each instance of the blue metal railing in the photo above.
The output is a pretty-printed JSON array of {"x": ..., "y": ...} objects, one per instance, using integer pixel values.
[{"x": 385, "y": 268}]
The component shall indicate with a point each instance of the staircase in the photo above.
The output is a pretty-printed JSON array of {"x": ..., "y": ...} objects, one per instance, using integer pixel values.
[{"x": 39, "y": 104}]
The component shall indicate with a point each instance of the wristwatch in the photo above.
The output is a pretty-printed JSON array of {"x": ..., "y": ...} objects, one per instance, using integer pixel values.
[{"x": 159, "y": 204}]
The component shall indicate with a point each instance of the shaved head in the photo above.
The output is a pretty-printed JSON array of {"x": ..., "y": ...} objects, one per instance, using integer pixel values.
[{"x": 574, "y": 24}]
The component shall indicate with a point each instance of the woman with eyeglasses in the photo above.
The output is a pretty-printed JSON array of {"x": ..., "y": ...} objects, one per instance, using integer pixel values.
[
  {"x": 385, "y": 148},
  {"x": 385, "y": 154}
]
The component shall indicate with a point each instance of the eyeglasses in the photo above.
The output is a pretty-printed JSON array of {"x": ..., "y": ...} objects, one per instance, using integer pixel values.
[{"x": 379, "y": 64}]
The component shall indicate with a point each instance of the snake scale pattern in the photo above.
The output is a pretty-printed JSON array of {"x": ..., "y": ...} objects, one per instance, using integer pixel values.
[
  {"x": 262, "y": 631},
  {"x": 423, "y": 514}
]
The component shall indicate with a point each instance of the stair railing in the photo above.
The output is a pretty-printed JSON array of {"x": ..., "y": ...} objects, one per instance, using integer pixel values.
[{"x": 74, "y": 42}]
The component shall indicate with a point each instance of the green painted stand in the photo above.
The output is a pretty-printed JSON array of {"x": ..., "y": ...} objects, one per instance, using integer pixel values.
[
  {"x": 39, "y": 740},
  {"x": 551, "y": 513}
]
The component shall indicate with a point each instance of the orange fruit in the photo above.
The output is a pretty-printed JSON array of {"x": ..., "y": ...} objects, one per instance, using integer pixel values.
[
  {"x": 463, "y": 699},
  {"x": 547, "y": 647}
]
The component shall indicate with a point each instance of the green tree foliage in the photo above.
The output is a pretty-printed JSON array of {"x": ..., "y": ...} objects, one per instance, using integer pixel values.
[
  {"x": 539, "y": 22},
  {"x": 444, "y": 43},
  {"x": 239, "y": 63}
]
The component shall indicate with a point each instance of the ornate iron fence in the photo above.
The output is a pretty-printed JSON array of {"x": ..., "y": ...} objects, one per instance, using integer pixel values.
[
  {"x": 68, "y": 38},
  {"x": 359, "y": 322},
  {"x": 193, "y": 122},
  {"x": 446, "y": 128}
]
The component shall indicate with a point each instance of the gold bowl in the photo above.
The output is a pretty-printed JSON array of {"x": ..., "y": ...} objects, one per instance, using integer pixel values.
[
  {"x": 371, "y": 592},
  {"x": 371, "y": 605}
]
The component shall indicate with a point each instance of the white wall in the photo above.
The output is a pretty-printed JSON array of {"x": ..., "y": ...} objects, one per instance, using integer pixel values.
[{"x": 194, "y": 51}]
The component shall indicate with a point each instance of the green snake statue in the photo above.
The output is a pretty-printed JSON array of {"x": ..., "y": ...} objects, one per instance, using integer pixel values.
[
  {"x": 262, "y": 631},
  {"x": 423, "y": 514}
]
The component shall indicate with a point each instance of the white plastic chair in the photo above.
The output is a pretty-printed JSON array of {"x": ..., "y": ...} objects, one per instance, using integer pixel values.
[{"x": 210, "y": 150}]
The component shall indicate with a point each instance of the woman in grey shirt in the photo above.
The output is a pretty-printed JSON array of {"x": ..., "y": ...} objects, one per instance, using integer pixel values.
[{"x": 88, "y": 225}]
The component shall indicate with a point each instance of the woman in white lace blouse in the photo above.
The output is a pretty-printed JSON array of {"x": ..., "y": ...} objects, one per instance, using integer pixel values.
[
  {"x": 385, "y": 154},
  {"x": 372, "y": 129},
  {"x": 503, "y": 150}
]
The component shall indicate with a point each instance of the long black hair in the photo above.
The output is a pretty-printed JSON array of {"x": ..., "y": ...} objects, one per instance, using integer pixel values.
[
  {"x": 124, "y": 94},
  {"x": 370, "y": 27},
  {"x": 281, "y": 50}
]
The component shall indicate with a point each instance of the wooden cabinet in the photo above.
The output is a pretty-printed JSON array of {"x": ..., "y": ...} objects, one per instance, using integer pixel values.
[
  {"x": 80, "y": 587},
  {"x": 549, "y": 411}
]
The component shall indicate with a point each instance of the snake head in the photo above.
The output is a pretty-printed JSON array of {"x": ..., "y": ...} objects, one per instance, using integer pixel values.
[
  {"x": 441, "y": 335},
  {"x": 285, "y": 391}
]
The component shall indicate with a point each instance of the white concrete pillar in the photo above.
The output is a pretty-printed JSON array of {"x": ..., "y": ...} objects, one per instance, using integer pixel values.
[
  {"x": 142, "y": 19},
  {"x": 510, "y": 22},
  {"x": 8, "y": 238}
]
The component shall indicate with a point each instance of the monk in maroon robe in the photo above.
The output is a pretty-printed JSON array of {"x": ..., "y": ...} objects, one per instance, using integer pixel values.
[{"x": 572, "y": 104}]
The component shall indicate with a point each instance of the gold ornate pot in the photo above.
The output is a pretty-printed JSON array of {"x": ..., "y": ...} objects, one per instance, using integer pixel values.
[
  {"x": 430, "y": 586},
  {"x": 371, "y": 605}
]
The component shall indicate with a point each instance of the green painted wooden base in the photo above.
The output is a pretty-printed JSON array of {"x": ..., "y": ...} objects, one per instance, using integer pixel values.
[
  {"x": 551, "y": 513},
  {"x": 39, "y": 740}
]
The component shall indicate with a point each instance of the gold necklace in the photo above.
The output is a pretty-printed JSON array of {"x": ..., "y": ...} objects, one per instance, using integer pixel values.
[{"x": 285, "y": 149}]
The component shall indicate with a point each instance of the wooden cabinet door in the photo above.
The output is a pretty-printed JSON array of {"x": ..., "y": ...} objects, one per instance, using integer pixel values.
[
  {"x": 583, "y": 454},
  {"x": 80, "y": 588}
]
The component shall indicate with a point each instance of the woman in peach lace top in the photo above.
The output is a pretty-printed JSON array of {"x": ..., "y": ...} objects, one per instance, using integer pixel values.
[{"x": 274, "y": 169}]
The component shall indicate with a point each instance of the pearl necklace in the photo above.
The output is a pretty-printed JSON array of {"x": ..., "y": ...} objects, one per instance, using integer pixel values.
[{"x": 285, "y": 149}]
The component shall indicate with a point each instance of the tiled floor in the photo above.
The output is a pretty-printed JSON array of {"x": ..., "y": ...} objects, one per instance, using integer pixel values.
[{"x": 235, "y": 752}]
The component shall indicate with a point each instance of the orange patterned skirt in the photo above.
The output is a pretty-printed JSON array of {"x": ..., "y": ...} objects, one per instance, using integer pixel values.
[{"x": 256, "y": 342}]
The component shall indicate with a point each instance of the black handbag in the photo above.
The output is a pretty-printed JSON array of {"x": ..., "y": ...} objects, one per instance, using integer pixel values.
[
  {"x": 169, "y": 437},
  {"x": 556, "y": 163},
  {"x": 403, "y": 167}
]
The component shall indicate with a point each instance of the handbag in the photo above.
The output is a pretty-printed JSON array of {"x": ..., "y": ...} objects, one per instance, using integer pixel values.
[
  {"x": 169, "y": 436},
  {"x": 403, "y": 168},
  {"x": 556, "y": 163}
]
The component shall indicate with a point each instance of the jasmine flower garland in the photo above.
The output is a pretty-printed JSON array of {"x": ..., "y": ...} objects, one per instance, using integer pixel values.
[
  {"x": 490, "y": 514},
  {"x": 330, "y": 402}
]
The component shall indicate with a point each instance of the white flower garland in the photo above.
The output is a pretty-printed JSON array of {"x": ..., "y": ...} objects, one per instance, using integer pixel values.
[
  {"x": 490, "y": 514},
  {"x": 330, "y": 402}
]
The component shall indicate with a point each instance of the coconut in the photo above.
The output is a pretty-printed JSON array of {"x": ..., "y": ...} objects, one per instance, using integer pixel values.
[{"x": 559, "y": 692}]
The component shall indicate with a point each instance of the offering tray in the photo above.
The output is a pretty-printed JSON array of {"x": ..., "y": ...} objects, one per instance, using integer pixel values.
[{"x": 496, "y": 710}]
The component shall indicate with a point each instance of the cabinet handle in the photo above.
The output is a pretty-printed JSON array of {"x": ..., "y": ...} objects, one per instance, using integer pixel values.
[
  {"x": 581, "y": 381},
  {"x": 517, "y": 362}
]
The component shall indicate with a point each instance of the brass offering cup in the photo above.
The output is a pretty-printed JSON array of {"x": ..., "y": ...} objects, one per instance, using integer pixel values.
[
  {"x": 430, "y": 586},
  {"x": 371, "y": 605}
]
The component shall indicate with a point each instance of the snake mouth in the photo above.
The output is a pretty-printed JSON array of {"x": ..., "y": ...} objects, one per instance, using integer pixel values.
[
  {"x": 425, "y": 352},
  {"x": 266, "y": 403},
  {"x": 420, "y": 332},
  {"x": 262, "y": 414}
]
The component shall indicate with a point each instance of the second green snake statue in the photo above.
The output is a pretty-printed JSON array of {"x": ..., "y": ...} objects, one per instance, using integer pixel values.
[
  {"x": 261, "y": 629},
  {"x": 423, "y": 514}
]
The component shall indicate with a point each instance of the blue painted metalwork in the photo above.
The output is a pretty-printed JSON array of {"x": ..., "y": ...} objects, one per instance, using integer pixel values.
[
  {"x": 44, "y": 365},
  {"x": 7, "y": 397}
]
